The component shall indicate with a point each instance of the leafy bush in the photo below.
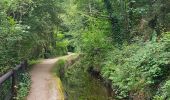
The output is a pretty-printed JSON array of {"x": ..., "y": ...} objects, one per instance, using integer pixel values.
[
  {"x": 61, "y": 47},
  {"x": 4, "y": 69},
  {"x": 95, "y": 45},
  {"x": 164, "y": 92},
  {"x": 136, "y": 67}
]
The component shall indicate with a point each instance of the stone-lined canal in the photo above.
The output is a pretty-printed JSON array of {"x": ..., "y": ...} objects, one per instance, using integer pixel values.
[{"x": 78, "y": 84}]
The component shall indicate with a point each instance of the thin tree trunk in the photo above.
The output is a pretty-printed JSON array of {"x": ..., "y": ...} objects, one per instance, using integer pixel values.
[{"x": 116, "y": 32}]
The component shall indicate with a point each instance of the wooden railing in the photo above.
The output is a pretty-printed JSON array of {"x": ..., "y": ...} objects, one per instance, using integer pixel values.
[{"x": 12, "y": 78}]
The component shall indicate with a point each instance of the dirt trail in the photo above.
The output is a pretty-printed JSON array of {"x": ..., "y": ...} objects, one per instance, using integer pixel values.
[{"x": 44, "y": 85}]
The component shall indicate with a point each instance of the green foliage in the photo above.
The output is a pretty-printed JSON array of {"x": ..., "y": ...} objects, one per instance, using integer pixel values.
[
  {"x": 164, "y": 92},
  {"x": 4, "y": 89},
  {"x": 33, "y": 62},
  {"x": 94, "y": 45},
  {"x": 136, "y": 67},
  {"x": 12, "y": 36},
  {"x": 24, "y": 86},
  {"x": 61, "y": 45}
]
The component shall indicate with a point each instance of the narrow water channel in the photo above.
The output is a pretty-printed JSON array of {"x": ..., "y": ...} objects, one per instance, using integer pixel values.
[
  {"x": 78, "y": 84},
  {"x": 82, "y": 86},
  {"x": 90, "y": 89}
]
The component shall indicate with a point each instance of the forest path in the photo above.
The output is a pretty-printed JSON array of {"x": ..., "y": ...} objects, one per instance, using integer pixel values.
[{"x": 44, "y": 85}]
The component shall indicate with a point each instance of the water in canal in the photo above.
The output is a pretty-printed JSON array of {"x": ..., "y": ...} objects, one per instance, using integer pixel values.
[{"x": 80, "y": 85}]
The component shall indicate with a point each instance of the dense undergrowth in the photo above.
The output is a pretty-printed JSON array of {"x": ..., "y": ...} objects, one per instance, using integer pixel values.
[
  {"x": 24, "y": 86},
  {"x": 138, "y": 69}
]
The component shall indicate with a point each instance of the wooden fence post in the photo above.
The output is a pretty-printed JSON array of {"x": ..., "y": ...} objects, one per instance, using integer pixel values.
[
  {"x": 14, "y": 85},
  {"x": 26, "y": 64},
  {"x": 13, "y": 74}
]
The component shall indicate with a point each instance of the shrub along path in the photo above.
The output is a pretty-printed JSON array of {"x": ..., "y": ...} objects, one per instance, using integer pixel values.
[{"x": 44, "y": 84}]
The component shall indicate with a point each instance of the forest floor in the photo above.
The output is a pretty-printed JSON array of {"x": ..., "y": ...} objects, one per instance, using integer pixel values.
[{"x": 45, "y": 86}]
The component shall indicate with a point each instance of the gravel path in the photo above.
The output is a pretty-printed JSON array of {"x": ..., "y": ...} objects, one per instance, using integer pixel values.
[{"x": 44, "y": 85}]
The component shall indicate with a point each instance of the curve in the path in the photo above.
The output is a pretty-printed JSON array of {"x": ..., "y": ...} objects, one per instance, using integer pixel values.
[{"x": 44, "y": 85}]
